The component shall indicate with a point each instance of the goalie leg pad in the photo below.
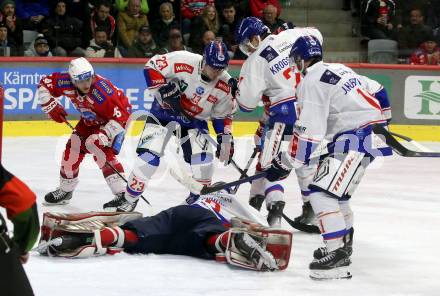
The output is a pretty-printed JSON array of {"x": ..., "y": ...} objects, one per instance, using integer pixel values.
[
  {"x": 272, "y": 142},
  {"x": 339, "y": 174},
  {"x": 85, "y": 225}
]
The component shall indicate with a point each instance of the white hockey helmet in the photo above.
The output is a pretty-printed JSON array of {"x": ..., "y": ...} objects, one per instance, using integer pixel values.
[{"x": 80, "y": 69}]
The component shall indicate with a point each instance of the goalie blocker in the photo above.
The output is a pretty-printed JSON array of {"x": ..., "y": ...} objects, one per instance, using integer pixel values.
[{"x": 180, "y": 230}]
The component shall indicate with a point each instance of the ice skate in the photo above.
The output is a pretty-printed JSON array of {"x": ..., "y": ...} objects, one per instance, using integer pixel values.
[
  {"x": 332, "y": 266},
  {"x": 348, "y": 246},
  {"x": 256, "y": 201},
  {"x": 57, "y": 197},
  {"x": 120, "y": 204},
  {"x": 275, "y": 213}
]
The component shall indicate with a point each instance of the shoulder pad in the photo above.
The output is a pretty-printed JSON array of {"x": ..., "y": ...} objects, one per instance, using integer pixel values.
[
  {"x": 268, "y": 53},
  {"x": 330, "y": 77}
]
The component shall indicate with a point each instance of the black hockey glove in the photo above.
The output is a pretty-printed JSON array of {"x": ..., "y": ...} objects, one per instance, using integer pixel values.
[
  {"x": 225, "y": 148},
  {"x": 170, "y": 95},
  {"x": 233, "y": 84},
  {"x": 279, "y": 170}
]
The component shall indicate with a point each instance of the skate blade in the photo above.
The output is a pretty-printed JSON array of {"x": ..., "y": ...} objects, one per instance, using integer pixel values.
[
  {"x": 331, "y": 274},
  {"x": 61, "y": 203},
  {"x": 110, "y": 209}
]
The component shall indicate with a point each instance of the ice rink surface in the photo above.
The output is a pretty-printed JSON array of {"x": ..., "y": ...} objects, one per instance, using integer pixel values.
[{"x": 396, "y": 243}]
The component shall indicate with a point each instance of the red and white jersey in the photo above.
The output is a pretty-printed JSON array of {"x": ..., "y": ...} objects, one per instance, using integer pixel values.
[
  {"x": 333, "y": 99},
  {"x": 103, "y": 102},
  {"x": 200, "y": 99},
  {"x": 266, "y": 72},
  {"x": 225, "y": 206}
]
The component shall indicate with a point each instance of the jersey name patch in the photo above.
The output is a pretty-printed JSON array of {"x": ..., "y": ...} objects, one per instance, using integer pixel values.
[
  {"x": 104, "y": 86},
  {"x": 269, "y": 53},
  {"x": 98, "y": 96},
  {"x": 222, "y": 86},
  {"x": 182, "y": 67},
  {"x": 330, "y": 77}
]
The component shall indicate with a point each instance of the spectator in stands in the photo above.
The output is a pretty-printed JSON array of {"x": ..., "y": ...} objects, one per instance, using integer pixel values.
[
  {"x": 175, "y": 42},
  {"x": 32, "y": 13},
  {"x": 122, "y": 5},
  {"x": 15, "y": 28},
  {"x": 144, "y": 45},
  {"x": 207, "y": 21},
  {"x": 270, "y": 18},
  {"x": 101, "y": 46},
  {"x": 411, "y": 36},
  {"x": 39, "y": 48},
  {"x": 101, "y": 17},
  {"x": 257, "y": 6},
  {"x": 7, "y": 47},
  {"x": 380, "y": 19},
  {"x": 427, "y": 54},
  {"x": 229, "y": 23},
  {"x": 63, "y": 32},
  {"x": 161, "y": 27},
  {"x": 207, "y": 37},
  {"x": 190, "y": 9},
  {"x": 129, "y": 23}
]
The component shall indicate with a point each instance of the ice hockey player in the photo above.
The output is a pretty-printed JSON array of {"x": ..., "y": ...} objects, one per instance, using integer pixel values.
[
  {"x": 189, "y": 89},
  {"x": 20, "y": 204},
  {"x": 206, "y": 229},
  {"x": 266, "y": 76},
  {"x": 100, "y": 131},
  {"x": 335, "y": 106}
]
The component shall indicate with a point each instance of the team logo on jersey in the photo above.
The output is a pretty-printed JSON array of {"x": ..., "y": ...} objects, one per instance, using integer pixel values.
[
  {"x": 269, "y": 53},
  {"x": 182, "y": 67},
  {"x": 182, "y": 85},
  {"x": 330, "y": 77},
  {"x": 212, "y": 99},
  {"x": 222, "y": 86},
  {"x": 64, "y": 82},
  {"x": 200, "y": 90},
  {"x": 422, "y": 97}
]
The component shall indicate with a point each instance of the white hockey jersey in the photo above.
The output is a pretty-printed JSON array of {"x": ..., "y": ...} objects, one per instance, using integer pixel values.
[
  {"x": 267, "y": 71},
  {"x": 226, "y": 206},
  {"x": 332, "y": 100},
  {"x": 200, "y": 99}
]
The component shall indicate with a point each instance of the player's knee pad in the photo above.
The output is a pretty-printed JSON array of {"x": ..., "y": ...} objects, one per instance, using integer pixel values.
[
  {"x": 273, "y": 192},
  {"x": 339, "y": 174},
  {"x": 154, "y": 137}
]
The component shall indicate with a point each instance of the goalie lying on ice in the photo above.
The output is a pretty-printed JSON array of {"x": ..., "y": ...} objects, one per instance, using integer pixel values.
[{"x": 204, "y": 229}]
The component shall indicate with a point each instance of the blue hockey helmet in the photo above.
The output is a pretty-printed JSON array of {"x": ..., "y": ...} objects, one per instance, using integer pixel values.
[
  {"x": 216, "y": 55},
  {"x": 249, "y": 26},
  {"x": 305, "y": 48}
]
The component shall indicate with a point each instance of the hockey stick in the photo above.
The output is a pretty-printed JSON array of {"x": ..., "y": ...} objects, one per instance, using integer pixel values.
[
  {"x": 246, "y": 169},
  {"x": 411, "y": 141},
  {"x": 111, "y": 166},
  {"x": 302, "y": 226},
  {"x": 399, "y": 148}
]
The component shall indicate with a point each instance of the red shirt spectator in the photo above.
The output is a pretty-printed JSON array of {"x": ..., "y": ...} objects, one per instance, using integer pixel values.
[
  {"x": 427, "y": 54},
  {"x": 257, "y": 6},
  {"x": 192, "y": 8}
]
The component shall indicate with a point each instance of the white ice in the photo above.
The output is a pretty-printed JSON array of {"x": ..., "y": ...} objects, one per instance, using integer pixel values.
[{"x": 396, "y": 248}]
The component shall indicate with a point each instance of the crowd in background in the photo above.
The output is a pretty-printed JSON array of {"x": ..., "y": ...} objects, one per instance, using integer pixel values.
[
  {"x": 143, "y": 28},
  {"x": 125, "y": 28}
]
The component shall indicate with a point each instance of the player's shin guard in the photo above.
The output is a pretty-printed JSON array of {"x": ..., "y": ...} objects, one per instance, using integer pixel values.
[
  {"x": 202, "y": 168},
  {"x": 145, "y": 167}
]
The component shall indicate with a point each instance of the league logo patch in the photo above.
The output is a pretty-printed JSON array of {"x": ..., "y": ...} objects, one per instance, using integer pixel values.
[
  {"x": 200, "y": 90},
  {"x": 330, "y": 77},
  {"x": 269, "y": 53}
]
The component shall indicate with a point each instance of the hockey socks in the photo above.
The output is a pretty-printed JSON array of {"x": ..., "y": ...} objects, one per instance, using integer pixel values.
[{"x": 118, "y": 237}]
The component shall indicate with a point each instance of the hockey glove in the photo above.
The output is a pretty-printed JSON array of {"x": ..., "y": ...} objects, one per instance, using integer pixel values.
[
  {"x": 233, "y": 84},
  {"x": 54, "y": 110},
  {"x": 279, "y": 169},
  {"x": 258, "y": 137},
  {"x": 170, "y": 95},
  {"x": 225, "y": 148}
]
